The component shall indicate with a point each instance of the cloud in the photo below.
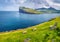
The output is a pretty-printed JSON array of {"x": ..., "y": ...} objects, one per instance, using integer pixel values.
[
  {"x": 9, "y": 5},
  {"x": 56, "y": 1},
  {"x": 22, "y": 1},
  {"x": 9, "y": 8},
  {"x": 53, "y": 4}
]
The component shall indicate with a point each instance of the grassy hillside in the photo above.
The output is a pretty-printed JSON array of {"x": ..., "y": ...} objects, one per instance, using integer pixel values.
[
  {"x": 39, "y": 10},
  {"x": 32, "y": 11},
  {"x": 45, "y": 32},
  {"x": 29, "y": 10}
]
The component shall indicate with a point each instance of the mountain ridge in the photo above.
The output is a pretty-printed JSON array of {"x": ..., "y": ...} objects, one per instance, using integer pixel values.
[
  {"x": 51, "y": 9},
  {"x": 38, "y": 10}
]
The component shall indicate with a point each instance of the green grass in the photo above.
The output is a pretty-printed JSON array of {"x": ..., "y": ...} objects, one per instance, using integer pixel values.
[
  {"x": 29, "y": 10},
  {"x": 42, "y": 33},
  {"x": 32, "y": 11}
]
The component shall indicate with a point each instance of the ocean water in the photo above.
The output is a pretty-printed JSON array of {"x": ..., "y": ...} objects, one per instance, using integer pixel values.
[{"x": 12, "y": 20}]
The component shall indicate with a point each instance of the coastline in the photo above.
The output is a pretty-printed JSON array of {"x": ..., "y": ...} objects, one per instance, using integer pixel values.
[
  {"x": 41, "y": 32},
  {"x": 21, "y": 30}
]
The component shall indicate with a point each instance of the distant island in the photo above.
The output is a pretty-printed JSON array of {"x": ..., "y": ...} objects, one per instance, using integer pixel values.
[
  {"x": 38, "y": 10},
  {"x": 28, "y": 10},
  {"x": 48, "y": 10}
]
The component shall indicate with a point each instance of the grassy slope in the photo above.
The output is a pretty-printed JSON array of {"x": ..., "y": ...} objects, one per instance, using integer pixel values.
[
  {"x": 42, "y": 33},
  {"x": 32, "y": 11}
]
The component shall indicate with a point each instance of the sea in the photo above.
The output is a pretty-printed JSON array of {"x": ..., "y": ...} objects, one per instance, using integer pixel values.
[{"x": 13, "y": 20}]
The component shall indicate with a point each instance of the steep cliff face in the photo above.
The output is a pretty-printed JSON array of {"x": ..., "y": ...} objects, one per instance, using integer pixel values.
[
  {"x": 38, "y": 11},
  {"x": 24, "y": 10},
  {"x": 28, "y": 10}
]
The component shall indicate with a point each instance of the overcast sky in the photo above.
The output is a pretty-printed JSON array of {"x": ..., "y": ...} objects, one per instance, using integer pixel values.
[{"x": 13, "y": 5}]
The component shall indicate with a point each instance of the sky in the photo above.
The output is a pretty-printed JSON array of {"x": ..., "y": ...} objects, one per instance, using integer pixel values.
[{"x": 13, "y": 5}]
